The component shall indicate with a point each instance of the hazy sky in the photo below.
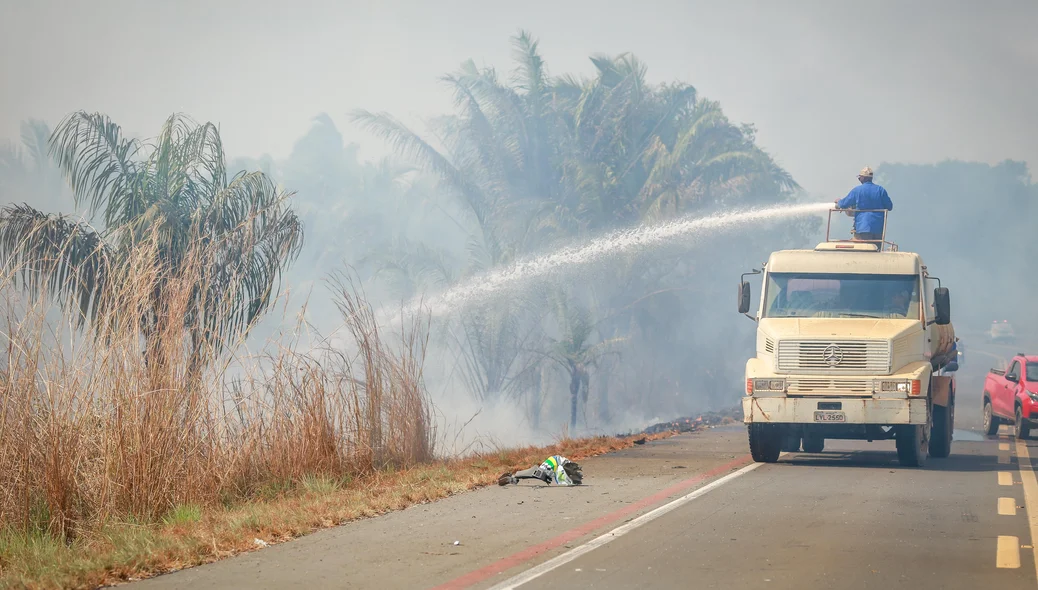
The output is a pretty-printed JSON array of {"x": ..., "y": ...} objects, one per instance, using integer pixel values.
[{"x": 831, "y": 85}]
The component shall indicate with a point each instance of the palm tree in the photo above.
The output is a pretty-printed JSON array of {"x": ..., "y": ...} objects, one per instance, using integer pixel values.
[
  {"x": 646, "y": 152},
  {"x": 537, "y": 160},
  {"x": 174, "y": 195},
  {"x": 574, "y": 352}
]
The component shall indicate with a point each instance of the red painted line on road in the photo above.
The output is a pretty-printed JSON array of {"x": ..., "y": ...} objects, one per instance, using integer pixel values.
[{"x": 529, "y": 553}]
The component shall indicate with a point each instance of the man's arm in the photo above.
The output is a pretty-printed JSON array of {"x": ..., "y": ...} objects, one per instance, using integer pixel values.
[
  {"x": 848, "y": 202},
  {"x": 887, "y": 203}
]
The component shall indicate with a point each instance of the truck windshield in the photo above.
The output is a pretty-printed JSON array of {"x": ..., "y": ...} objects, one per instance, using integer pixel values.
[
  {"x": 797, "y": 295},
  {"x": 1032, "y": 372}
]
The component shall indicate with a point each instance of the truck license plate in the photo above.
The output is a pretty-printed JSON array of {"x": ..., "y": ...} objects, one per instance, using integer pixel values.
[{"x": 830, "y": 416}]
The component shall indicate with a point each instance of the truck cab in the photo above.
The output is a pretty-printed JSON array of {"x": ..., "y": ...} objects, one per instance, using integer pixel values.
[
  {"x": 1011, "y": 396},
  {"x": 854, "y": 341}
]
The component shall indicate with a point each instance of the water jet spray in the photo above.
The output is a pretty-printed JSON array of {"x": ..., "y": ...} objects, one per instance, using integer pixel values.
[{"x": 482, "y": 287}]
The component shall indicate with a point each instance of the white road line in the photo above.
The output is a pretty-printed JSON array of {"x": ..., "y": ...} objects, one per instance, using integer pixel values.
[
  {"x": 1005, "y": 478},
  {"x": 1007, "y": 506},
  {"x": 1003, "y": 459},
  {"x": 1003, "y": 446},
  {"x": 1008, "y": 553},
  {"x": 1030, "y": 484},
  {"x": 541, "y": 569}
]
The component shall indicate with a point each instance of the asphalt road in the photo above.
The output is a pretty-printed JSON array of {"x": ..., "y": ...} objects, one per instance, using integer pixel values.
[
  {"x": 850, "y": 517},
  {"x": 693, "y": 511}
]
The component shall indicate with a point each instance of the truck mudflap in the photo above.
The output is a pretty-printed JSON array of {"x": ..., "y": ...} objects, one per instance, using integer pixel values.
[
  {"x": 941, "y": 390},
  {"x": 792, "y": 410}
]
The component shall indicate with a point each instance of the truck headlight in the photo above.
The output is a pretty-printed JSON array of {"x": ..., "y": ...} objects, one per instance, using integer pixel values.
[
  {"x": 1033, "y": 396},
  {"x": 769, "y": 385}
]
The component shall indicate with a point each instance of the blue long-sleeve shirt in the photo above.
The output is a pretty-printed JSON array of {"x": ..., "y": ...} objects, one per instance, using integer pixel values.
[{"x": 867, "y": 195}]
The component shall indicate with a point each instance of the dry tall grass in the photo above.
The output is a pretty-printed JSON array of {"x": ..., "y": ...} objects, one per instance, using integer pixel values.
[{"x": 121, "y": 422}]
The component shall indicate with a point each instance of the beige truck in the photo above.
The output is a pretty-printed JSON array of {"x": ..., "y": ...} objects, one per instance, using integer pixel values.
[{"x": 854, "y": 341}]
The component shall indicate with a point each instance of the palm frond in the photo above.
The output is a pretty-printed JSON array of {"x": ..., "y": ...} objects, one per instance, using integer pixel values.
[
  {"x": 411, "y": 146},
  {"x": 53, "y": 255},
  {"x": 97, "y": 161},
  {"x": 531, "y": 75},
  {"x": 478, "y": 128},
  {"x": 599, "y": 349},
  {"x": 245, "y": 272},
  {"x": 256, "y": 234},
  {"x": 608, "y": 76},
  {"x": 205, "y": 162}
]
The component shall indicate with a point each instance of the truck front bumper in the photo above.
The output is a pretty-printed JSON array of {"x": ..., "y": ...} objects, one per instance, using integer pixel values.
[{"x": 797, "y": 410}]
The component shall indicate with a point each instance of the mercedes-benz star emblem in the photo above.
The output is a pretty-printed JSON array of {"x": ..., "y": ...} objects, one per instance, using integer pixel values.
[{"x": 832, "y": 355}]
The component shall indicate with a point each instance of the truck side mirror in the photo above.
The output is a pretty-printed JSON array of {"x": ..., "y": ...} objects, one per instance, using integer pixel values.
[
  {"x": 744, "y": 297},
  {"x": 942, "y": 306}
]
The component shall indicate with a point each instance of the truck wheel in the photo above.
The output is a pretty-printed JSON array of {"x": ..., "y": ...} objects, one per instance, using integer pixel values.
[
  {"x": 911, "y": 445},
  {"x": 1023, "y": 429},
  {"x": 990, "y": 421},
  {"x": 765, "y": 442},
  {"x": 814, "y": 444},
  {"x": 941, "y": 432}
]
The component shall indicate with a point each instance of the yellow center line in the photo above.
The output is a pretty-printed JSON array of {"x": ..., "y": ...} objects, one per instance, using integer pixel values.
[
  {"x": 1005, "y": 478},
  {"x": 1007, "y": 506},
  {"x": 1008, "y": 554},
  {"x": 1030, "y": 484}
]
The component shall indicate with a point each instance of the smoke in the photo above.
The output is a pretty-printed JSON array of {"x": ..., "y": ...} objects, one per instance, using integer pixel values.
[
  {"x": 521, "y": 267},
  {"x": 815, "y": 77},
  {"x": 973, "y": 223}
]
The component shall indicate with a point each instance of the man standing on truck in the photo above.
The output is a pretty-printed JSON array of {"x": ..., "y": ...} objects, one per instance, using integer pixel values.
[{"x": 868, "y": 225}]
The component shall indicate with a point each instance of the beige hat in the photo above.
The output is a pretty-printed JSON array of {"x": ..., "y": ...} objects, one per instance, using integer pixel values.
[{"x": 866, "y": 172}]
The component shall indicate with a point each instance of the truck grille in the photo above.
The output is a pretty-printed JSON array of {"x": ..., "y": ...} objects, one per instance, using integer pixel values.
[
  {"x": 834, "y": 357},
  {"x": 829, "y": 387},
  {"x": 902, "y": 347}
]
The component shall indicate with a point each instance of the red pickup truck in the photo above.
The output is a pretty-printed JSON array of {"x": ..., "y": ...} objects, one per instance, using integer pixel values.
[{"x": 1011, "y": 396}]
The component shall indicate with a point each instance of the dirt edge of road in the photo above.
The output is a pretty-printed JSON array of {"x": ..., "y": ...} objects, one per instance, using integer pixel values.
[{"x": 127, "y": 552}]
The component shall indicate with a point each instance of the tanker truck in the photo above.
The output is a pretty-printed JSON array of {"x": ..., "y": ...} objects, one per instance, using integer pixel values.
[{"x": 854, "y": 341}]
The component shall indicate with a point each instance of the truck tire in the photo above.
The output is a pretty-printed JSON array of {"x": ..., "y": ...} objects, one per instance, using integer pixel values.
[
  {"x": 941, "y": 432},
  {"x": 814, "y": 444},
  {"x": 911, "y": 445},
  {"x": 990, "y": 420},
  {"x": 1023, "y": 429},
  {"x": 765, "y": 442}
]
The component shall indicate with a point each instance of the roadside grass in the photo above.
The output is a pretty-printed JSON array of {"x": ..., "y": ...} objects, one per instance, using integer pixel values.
[
  {"x": 128, "y": 449},
  {"x": 190, "y": 535}
]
